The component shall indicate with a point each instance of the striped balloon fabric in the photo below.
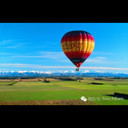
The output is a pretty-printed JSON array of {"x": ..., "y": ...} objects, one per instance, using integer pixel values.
[{"x": 77, "y": 46}]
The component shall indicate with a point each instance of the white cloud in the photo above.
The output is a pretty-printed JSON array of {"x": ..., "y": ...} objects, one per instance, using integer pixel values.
[
  {"x": 52, "y": 55},
  {"x": 99, "y": 71},
  {"x": 3, "y": 42},
  {"x": 102, "y": 53},
  {"x": 97, "y": 59},
  {"x": 65, "y": 71},
  {"x": 111, "y": 68},
  {"x": 5, "y": 53},
  {"x": 86, "y": 71},
  {"x": 14, "y": 46},
  {"x": 14, "y": 65},
  {"x": 10, "y": 44},
  {"x": 46, "y": 54},
  {"x": 60, "y": 56},
  {"x": 73, "y": 71},
  {"x": 58, "y": 67}
]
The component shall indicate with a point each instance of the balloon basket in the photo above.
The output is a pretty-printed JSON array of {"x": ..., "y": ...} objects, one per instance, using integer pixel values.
[{"x": 77, "y": 69}]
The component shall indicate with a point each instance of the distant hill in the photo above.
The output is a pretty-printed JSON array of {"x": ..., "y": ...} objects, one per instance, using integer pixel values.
[{"x": 58, "y": 74}]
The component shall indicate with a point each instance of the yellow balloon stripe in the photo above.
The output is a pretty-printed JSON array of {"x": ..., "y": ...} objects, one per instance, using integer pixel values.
[
  {"x": 74, "y": 46},
  {"x": 92, "y": 47},
  {"x": 89, "y": 45}
]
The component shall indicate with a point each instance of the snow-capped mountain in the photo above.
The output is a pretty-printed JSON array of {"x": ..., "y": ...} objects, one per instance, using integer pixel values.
[{"x": 58, "y": 74}]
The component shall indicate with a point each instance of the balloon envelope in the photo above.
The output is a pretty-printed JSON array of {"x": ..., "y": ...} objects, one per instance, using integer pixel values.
[{"x": 77, "y": 46}]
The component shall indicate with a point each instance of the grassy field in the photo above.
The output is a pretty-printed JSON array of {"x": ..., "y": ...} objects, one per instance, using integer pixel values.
[{"x": 97, "y": 92}]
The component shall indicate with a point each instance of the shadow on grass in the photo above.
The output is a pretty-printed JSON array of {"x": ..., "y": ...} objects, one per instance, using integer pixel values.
[
  {"x": 95, "y": 83},
  {"x": 12, "y": 83},
  {"x": 119, "y": 95}
]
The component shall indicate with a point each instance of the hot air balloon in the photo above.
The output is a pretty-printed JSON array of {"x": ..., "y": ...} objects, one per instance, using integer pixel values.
[{"x": 77, "y": 46}]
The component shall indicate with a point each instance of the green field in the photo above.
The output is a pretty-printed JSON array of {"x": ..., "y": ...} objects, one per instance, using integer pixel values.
[{"x": 100, "y": 93}]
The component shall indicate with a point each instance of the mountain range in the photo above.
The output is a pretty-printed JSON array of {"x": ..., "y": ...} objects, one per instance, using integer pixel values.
[{"x": 59, "y": 74}]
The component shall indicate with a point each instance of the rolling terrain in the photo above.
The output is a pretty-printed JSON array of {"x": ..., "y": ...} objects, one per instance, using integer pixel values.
[{"x": 51, "y": 91}]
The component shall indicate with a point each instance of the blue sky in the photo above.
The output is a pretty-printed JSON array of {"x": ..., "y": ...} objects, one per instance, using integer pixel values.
[{"x": 37, "y": 46}]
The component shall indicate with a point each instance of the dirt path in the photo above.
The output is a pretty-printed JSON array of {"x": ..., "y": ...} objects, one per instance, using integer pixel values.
[{"x": 48, "y": 102}]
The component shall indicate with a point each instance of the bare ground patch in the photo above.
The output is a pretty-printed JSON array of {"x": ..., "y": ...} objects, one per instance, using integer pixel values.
[
  {"x": 48, "y": 102},
  {"x": 6, "y": 80}
]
